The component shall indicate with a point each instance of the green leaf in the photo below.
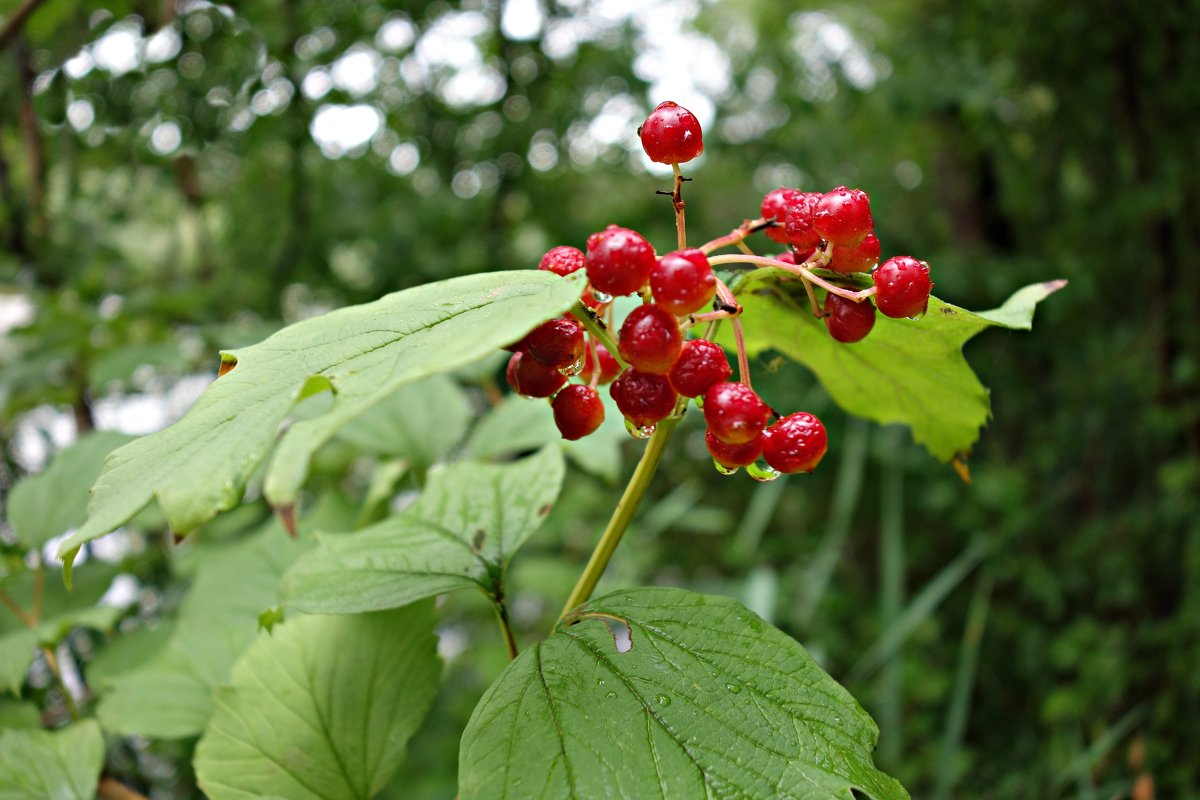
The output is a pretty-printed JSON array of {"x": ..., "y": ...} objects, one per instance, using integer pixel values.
[
  {"x": 321, "y": 709},
  {"x": 907, "y": 371},
  {"x": 168, "y": 695},
  {"x": 16, "y": 654},
  {"x": 421, "y": 423},
  {"x": 667, "y": 693},
  {"x": 199, "y": 466},
  {"x": 52, "y": 502},
  {"x": 519, "y": 424},
  {"x": 462, "y": 532},
  {"x": 19, "y": 714},
  {"x": 59, "y": 765}
]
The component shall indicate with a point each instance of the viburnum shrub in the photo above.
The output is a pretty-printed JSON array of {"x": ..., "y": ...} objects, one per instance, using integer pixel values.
[{"x": 642, "y": 692}]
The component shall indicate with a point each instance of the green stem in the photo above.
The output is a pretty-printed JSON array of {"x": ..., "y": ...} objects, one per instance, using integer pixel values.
[
  {"x": 598, "y": 330},
  {"x": 510, "y": 639},
  {"x": 56, "y": 671},
  {"x": 622, "y": 516}
]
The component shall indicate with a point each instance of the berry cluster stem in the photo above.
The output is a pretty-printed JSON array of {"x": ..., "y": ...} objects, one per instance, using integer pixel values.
[
  {"x": 599, "y": 332},
  {"x": 799, "y": 271},
  {"x": 738, "y": 235},
  {"x": 677, "y": 202},
  {"x": 623, "y": 514}
]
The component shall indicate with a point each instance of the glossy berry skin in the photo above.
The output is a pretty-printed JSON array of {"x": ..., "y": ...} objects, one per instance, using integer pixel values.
[
  {"x": 902, "y": 287},
  {"x": 609, "y": 368},
  {"x": 799, "y": 224},
  {"x": 562, "y": 260},
  {"x": 578, "y": 411},
  {"x": 557, "y": 343},
  {"x": 734, "y": 413},
  {"x": 775, "y": 204},
  {"x": 671, "y": 134},
  {"x": 619, "y": 261},
  {"x": 795, "y": 443},
  {"x": 861, "y": 257},
  {"x": 701, "y": 365},
  {"x": 650, "y": 339},
  {"x": 532, "y": 378},
  {"x": 683, "y": 282},
  {"x": 643, "y": 397},
  {"x": 846, "y": 320},
  {"x": 732, "y": 456},
  {"x": 843, "y": 216}
]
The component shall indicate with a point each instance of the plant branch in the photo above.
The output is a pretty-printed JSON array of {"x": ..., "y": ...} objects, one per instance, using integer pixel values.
[
  {"x": 738, "y": 235},
  {"x": 16, "y": 21},
  {"x": 799, "y": 270},
  {"x": 510, "y": 638},
  {"x": 19, "y": 612},
  {"x": 112, "y": 789},
  {"x": 622, "y": 515},
  {"x": 678, "y": 204},
  {"x": 598, "y": 330},
  {"x": 56, "y": 671}
]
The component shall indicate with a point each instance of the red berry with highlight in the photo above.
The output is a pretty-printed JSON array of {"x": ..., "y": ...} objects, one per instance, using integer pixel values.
[
  {"x": 732, "y": 456},
  {"x": 650, "y": 339},
  {"x": 619, "y": 261},
  {"x": 532, "y": 378},
  {"x": 609, "y": 368},
  {"x": 843, "y": 216},
  {"x": 902, "y": 286},
  {"x": 861, "y": 257},
  {"x": 557, "y": 343},
  {"x": 795, "y": 443},
  {"x": 578, "y": 411},
  {"x": 562, "y": 260},
  {"x": 643, "y": 397},
  {"x": 846, "y": 320},
  {"x": 671, "y": 134},
  {"x": 683, "y": 282},
  {"x": 701, "y": 364},
  {"x": 734, "y": 412},
  {"x": 775, "y": 204},
  {"x": 799, "y": 222}
]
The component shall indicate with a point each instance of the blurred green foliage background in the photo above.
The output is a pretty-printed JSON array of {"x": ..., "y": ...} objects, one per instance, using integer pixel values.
[{"x": 177, "y": 178}]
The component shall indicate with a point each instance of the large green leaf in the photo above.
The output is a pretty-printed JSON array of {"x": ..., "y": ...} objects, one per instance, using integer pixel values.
[
  {"x": 667, "y": 693},
  {"x": 322, "y": 708},
  {"x": 199, "y": 466},
  {"x": 420, "y": 423},
  {"x": 63, "y": 765},
  {"x": 16, "y": 654},
  {"x": 462, "y": 532},
  {"x": 907, "y": 371},
  {"x": 169, "y": 694},
  {"x": 52, "y": 502}
]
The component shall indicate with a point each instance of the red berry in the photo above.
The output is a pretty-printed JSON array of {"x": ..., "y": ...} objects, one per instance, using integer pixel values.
[
  {"x": 619, "y": 261},
  {"x": 788, "y": 258},
  {"x": 562, "y": 260},
  {"x": 671, "y": 134},
  {"x": 861, "y": 257},
  {"x": 650, "y": 339},
  {"x": 557, "y": 343},
  {"x": 578, "y": 411},
  {"x": 843, "y": 216},
  {"x": 609, "y": 368},
  {"x": 532, "y": 378},
  {"x": 798, "y": 222},
  {"x": 902, "y": 286},
  {"x": 683, "y": 282},
  {"x": 732, "y": 456},
  {"x": 700, "y": 365},
  {"x": 795, "y": 443},
  {"x": 734, "y": 412},
  {"x": 643, "y": 397},
  {"x": 775, "y": 205},
  {"x": 846, "y": 320}
]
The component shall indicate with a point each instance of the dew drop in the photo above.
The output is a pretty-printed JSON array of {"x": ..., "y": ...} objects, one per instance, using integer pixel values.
[
  {"x": 611, "y": 695},
  {"x": 762, "y": 474},
  {"x": 602, "y": 297},
  {"x": 663, "y": 700},
  {"x": 643, "y": 432},
  {"x": 724, "y": 470},
  {"x": 733, "y": 688}
]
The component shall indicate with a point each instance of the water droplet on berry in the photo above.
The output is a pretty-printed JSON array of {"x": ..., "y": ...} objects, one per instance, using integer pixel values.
[
  {"x": 571, "y": 370},
  {"x": 916, "y": 317},
  {"x": 724, "y": 470},
  {"x": 601, "y": 297},
  {"x": 762, "y": 474},
  {"x": 643, "y": 432}
]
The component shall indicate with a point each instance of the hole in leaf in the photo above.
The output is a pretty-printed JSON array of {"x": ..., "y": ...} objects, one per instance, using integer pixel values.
[{"x": 621, "y": 633}]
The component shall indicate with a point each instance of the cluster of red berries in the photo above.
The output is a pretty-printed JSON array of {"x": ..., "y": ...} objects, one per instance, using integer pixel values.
[{"x": 656, "y": 368}]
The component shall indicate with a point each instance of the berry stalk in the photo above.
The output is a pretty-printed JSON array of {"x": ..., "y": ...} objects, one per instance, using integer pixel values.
[
  {"x": 627, "y": 506},
  {"x": 797, "y": 270},
  {"x": 678, "y": 204},
  {"x": 599, "y": 331}
]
